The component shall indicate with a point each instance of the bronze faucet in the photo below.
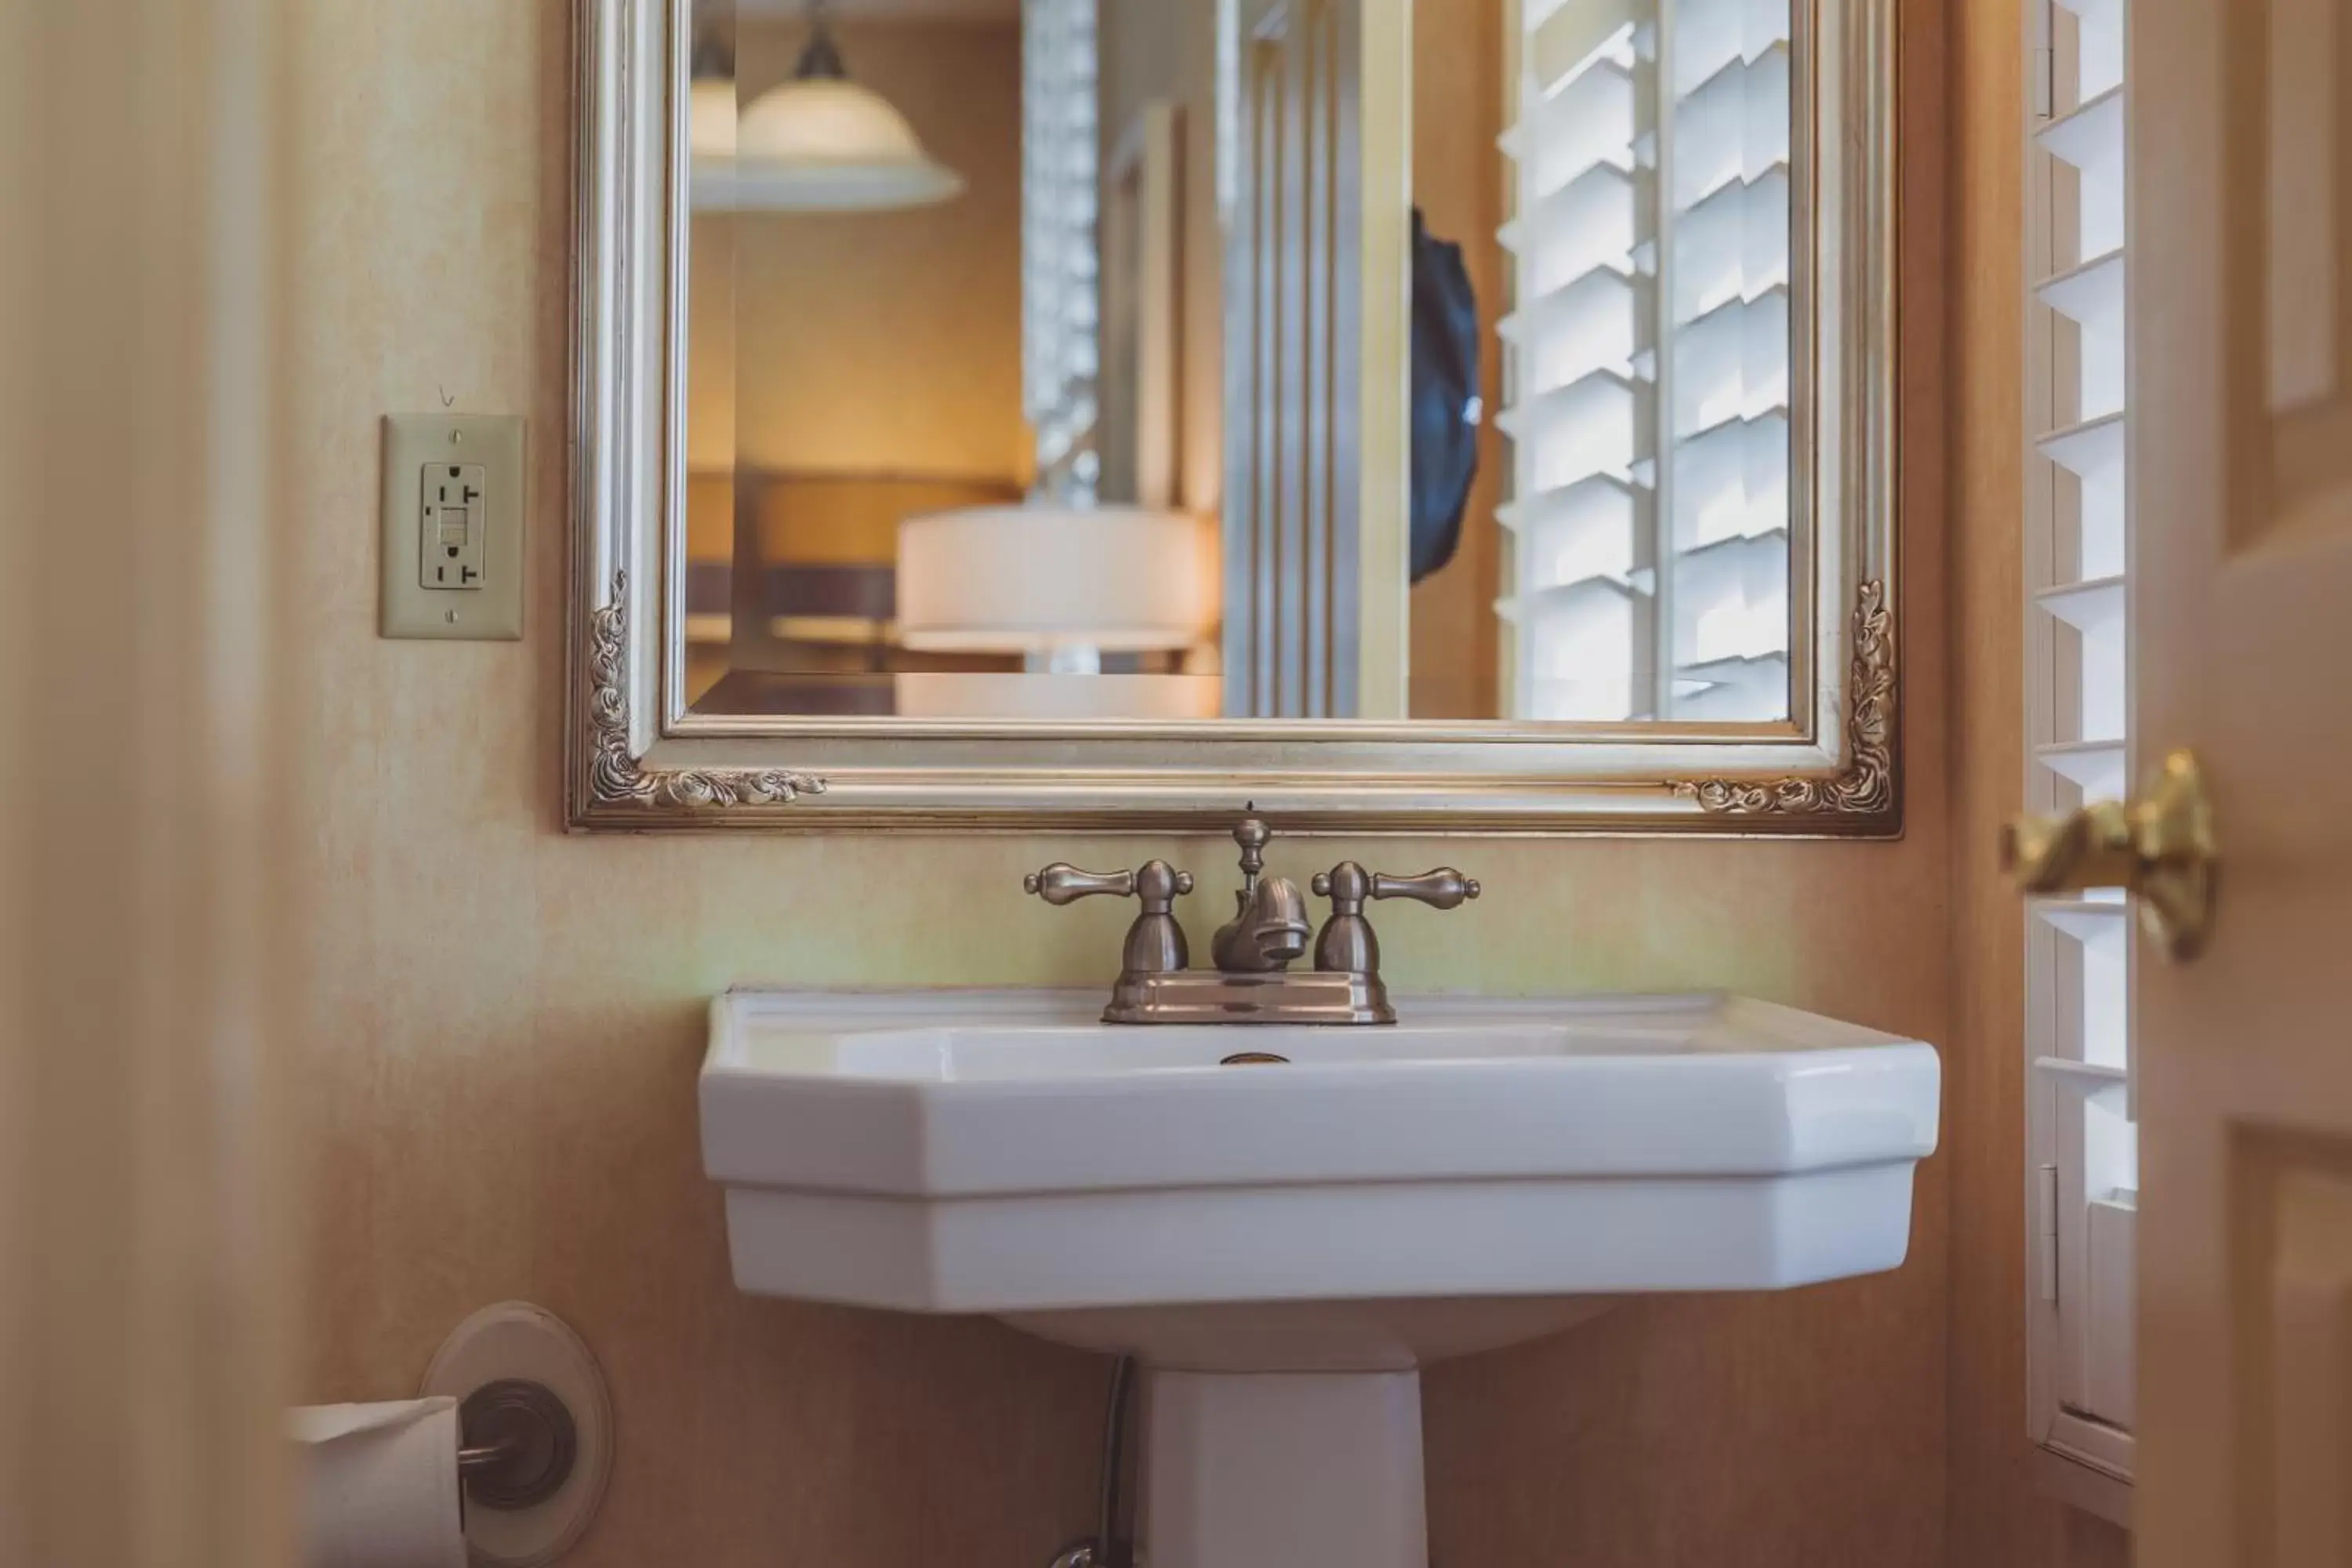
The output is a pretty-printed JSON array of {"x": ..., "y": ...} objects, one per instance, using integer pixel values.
[
  {"x": 1252, "y": 982},
  {"x": 1269, "y": 925}
]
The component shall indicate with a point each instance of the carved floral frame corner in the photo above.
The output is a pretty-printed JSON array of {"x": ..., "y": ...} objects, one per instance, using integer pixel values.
[
  {"x": 1870, "y": 785},
  {"x": 616, "y": 778}
]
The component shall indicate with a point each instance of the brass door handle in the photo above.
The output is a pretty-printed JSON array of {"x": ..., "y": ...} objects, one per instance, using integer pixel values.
[{"x": 2159, "y": 846}]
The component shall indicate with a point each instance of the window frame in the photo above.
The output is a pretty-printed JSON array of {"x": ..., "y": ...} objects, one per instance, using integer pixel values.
[{"x": 2078, "y": 1294}]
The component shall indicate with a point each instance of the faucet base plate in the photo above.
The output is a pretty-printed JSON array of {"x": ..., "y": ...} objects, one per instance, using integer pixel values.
[{"x": 1213, "y": 996}]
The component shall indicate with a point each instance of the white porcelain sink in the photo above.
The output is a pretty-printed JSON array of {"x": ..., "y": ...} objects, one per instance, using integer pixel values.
[{"x": 1285, "y": 1244}]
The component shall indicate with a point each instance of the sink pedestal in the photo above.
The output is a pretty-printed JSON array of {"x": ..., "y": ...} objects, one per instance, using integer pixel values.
[{"x": 1283, "y": 1471}]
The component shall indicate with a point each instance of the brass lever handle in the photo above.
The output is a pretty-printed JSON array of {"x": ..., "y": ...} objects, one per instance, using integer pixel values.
[
  {"x": 1444, "y": 889},
  {"x": 1348, "y": 885},
  {"x": 2159, "y": 846},
  {"x": 1346, "y": 943},
  {"x": 1062, "y": 883},
  {"x": 1155, "y": 943},
  {"x": 1155, "y": 882}
]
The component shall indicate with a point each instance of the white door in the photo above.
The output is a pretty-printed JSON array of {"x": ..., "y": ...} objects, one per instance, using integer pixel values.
[{"x": 2240, "y": 114}]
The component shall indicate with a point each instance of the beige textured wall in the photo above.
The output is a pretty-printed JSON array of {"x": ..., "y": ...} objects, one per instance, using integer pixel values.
[
  {"x": 1998, "y": 1519},
  {"x": 506, "y": 1021}
]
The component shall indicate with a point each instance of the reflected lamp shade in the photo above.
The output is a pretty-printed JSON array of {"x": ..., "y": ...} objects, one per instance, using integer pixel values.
[
  {"x": 819, "y": 145},
  {"x": 818, "y": 142},
  {"x": 710, "y": 119},
  {"x": 1038, "y": 580}
]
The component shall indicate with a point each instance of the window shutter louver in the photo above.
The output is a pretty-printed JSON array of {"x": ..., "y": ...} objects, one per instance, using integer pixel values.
[{"x": 1648, "y": 357}]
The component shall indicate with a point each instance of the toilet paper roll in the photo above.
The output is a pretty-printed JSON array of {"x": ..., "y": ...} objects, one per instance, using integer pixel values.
[{"x": 380, "y": 1484}]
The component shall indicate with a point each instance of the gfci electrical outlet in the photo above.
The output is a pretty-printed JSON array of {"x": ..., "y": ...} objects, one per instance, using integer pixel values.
[
  {"x": 456, "y": 507},
  {"x": 453, "y": 521}
]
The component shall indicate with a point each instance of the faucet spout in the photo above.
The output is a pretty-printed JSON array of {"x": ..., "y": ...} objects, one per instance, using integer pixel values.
[{"x": 1269, "y": 929}]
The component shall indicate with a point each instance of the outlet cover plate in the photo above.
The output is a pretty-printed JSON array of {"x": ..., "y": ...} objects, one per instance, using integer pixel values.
[{"x": 412, "y": 443}]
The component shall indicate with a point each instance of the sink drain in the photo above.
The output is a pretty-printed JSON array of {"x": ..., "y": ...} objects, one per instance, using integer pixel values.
[{"x": 1251, "y": 1059}]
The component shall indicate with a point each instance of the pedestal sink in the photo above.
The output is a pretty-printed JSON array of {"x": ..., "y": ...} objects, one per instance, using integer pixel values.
[{"x": 1285, "y": 1243}]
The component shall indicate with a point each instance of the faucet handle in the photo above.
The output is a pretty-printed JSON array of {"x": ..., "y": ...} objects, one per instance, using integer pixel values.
[
  {"x": 1062, "y": 883},
  {"x": 1155, "y": 882},
  {"x": 1348, "y": 885},
  {"x": 1444, "y": 889},
  {"x": 1155, "y": 943},
  {"x": 1347, "y": 941}
]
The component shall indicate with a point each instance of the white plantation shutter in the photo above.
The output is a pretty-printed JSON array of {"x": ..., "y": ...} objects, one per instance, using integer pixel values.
[
  {"x": 1060, "y": 296},
  {"x": 2083, "y": 1143},
  {"x": 1648, "y": 357}
]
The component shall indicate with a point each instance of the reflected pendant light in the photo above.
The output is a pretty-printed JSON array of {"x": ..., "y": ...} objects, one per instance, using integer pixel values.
[
  {"x": 819, "y": 143},
  {"x": 710, "y": 104}
]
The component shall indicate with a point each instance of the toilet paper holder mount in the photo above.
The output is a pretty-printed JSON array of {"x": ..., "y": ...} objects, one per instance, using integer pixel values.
[
  {"x": 534, "y": 1433},
  {"x": 518, "y": 1444}
]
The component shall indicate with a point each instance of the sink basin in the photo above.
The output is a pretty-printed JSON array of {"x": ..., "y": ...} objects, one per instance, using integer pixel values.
[{"x": 1283, "y": 1243}]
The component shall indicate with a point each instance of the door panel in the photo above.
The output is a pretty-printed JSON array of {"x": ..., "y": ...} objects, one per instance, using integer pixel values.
[
  {"x": 2305, "y": 209},
  {"x": 2242, "y": 471},
  {"x": 2293, "y": 1307}
]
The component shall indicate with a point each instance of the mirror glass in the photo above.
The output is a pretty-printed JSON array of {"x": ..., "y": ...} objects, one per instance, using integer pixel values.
[{"x": 1029, "y": 347}]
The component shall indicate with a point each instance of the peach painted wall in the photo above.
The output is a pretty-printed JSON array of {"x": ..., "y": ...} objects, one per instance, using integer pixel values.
[{"x": 505, "y": 1021}]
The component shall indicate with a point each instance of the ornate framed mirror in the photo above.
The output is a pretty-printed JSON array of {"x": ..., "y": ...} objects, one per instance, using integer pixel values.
[{"x": 1020, "y": 414}]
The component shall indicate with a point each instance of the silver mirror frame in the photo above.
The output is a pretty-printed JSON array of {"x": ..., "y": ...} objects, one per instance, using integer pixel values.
[{"x": 638, "y": 760}]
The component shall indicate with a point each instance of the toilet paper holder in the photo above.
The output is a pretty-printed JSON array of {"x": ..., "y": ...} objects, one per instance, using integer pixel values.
[
  {"x": 534, "y": 1433},
  {"x": 518, "y": 1442},
  {"x": 518, "y": 1481}
]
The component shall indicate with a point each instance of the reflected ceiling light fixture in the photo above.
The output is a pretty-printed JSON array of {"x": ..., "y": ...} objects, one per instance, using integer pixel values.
[
  {"x": 710, "y": 99},
  {"x": 818, "y": 142}
]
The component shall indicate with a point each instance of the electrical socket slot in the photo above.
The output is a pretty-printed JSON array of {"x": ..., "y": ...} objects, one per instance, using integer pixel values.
[{"x": 456, "y": 526}]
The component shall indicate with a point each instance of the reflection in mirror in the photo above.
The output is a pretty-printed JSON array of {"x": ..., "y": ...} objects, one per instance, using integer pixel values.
[
  {"x": 1024, "y": 363},
  {"x": 1649, "y": 413}
]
